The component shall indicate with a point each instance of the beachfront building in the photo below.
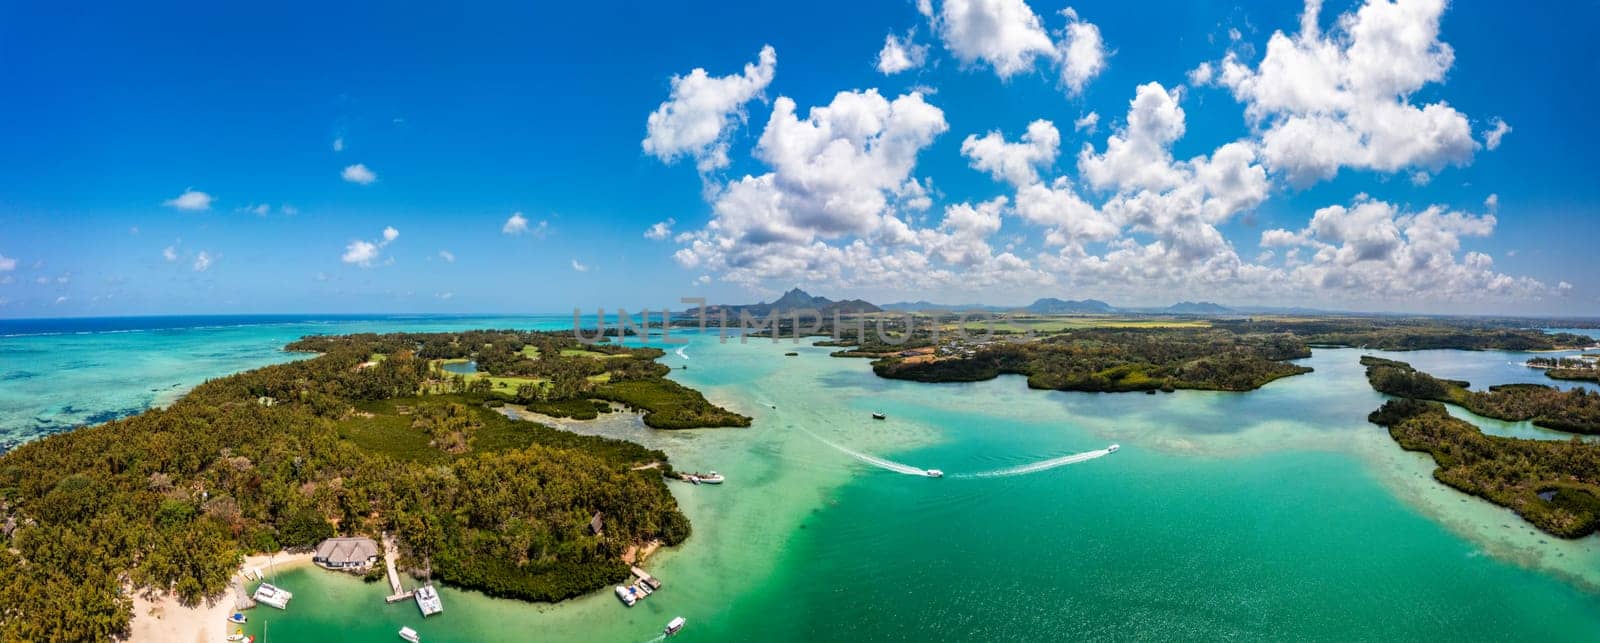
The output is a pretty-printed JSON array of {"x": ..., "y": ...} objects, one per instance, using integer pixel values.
[{"x": 346, "y": 553}]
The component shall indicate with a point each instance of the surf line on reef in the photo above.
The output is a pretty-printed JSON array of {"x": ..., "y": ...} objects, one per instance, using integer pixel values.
[{"x": 1019, "y": 470}]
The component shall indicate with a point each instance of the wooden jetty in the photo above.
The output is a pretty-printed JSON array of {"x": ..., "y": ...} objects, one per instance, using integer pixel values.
[{"x": 397, "y": 593}]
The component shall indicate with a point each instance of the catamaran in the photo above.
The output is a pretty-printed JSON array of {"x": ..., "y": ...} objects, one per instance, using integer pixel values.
[{"x": 273, "y": 595}]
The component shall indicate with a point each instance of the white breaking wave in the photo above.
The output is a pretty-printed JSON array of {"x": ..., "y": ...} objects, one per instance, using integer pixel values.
[
  {"x": 681, "y": 353},
  {"x": 872, "y": 459},
  {"x": 1035, "y": 467}
]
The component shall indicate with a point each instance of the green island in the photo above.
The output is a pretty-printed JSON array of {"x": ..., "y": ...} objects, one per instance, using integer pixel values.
[
  {"x": 370, "y": 436},
  {"x": 1409, "y": 334},
  {"x": 1582, "y": 368},
  {"x": 1573, "y": 411},
  {"x": 1114, "y": 359},
  {"x": 1555, "y": 485}
]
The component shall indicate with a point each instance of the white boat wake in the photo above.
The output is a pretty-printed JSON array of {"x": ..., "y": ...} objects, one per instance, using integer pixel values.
[
  {"x": 681, "y": 353},
  {"x": 872, "y": 459},
  {"x": 1019, "y": 470},
  {"x": 1035, "y": 467}
]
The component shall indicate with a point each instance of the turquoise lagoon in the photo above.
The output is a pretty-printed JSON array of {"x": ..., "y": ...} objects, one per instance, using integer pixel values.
[{"x": 1276, "y": 514}]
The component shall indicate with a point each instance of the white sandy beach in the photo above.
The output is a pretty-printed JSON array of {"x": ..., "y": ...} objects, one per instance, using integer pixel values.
[{"x": 167, "y": 621}]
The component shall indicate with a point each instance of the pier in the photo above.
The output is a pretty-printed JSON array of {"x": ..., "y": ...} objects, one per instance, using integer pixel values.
[{"x": 397, "y": 593}]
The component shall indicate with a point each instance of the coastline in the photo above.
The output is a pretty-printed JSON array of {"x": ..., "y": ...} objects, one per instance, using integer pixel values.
[{"x": 165, "y": 620}]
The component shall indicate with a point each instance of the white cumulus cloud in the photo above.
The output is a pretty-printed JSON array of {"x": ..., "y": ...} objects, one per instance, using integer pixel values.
[
  {"x": 1082, "y": 52},
  {"x": 358, "y": 173},
  {"x": 1343, "y": 99},
  {"x": 364, "y": 253},
  {"x": 660, "y": 230},
  {"x": 900, "y": 55},
  {"x": 515, "y": 224},
  {"x": 1492, "y": 136},
  {"x": 192, "y": 200},
  {"x": 1014, "y": 162},
  {"x": 701, "y": 111}
]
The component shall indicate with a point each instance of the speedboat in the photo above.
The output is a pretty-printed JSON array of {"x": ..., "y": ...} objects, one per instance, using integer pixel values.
[
  {"x": 711, "y": 478},
  {"x": 237, "y": 636},
  {"x": 410, "y": 635},
  {"x": 674, "y": 626},
  {"x": 238, "y": 617},
  {"x": 879, "y": 416},
  {"x": 934, "y": 473},
  {"x": 1112, "y": 449}
]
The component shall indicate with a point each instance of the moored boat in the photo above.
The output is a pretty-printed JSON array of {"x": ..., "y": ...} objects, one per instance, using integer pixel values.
[
  {"x": 272, "y": 595},
  {"x": 238, "y": 617},
  {"x": 674, "y": 626},
  {"x": 879, "y": 416},
  {"x": 410, "y": 635},
  {"x": 711, "y": 478},
  {"x": 626, "y": 595}
]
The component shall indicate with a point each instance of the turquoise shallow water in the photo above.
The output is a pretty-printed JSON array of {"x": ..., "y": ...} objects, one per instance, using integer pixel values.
[
  {"x": 1277, "y": 514},
  {"x": 57, "y": 374}
]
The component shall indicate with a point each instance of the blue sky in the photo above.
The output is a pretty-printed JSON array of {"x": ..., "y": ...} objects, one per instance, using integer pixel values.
[{"x": 1350, "y": 169}]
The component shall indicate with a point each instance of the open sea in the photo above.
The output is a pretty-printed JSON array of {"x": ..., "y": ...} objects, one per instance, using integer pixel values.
[{"x": 1278, "y": 514}]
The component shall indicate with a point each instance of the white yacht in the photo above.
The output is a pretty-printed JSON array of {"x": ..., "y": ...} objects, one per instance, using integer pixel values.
[
  {"x": 272, "y": 595},
  {"x": 674, "y": 626},
  {"x": 712, "y": 478},
  {"x": 626, "y": 595},
  {"x": 410, "y": 635}
]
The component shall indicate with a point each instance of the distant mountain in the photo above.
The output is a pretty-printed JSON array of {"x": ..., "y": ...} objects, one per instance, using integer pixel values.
[
  {"x": 916, "y": 306},
  {"x": 793, "y": 300},
  {"x": 1197, "y": 308},
  {"x": 1053, "y": 306}
]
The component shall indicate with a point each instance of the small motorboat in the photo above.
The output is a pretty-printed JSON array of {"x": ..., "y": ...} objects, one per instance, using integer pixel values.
[
  {"x": 237, "y": 636},
  {"x": 934, "y": 473},
  {"x": 1113, "y": 448},
  {"x": 879, "y": 416},
  {"x": 238, "y": 617},
  {"x": 410, "y": 635},
  {"x": 625, "y": 594},
  {"x": 674, "y": 626},
  {"x": 711, "y": 478}
]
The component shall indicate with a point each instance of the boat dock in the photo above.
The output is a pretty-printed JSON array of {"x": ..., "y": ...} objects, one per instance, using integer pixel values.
[
  {"x": 396, "y": 593},
  {"x": 645, "y": 586}
]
